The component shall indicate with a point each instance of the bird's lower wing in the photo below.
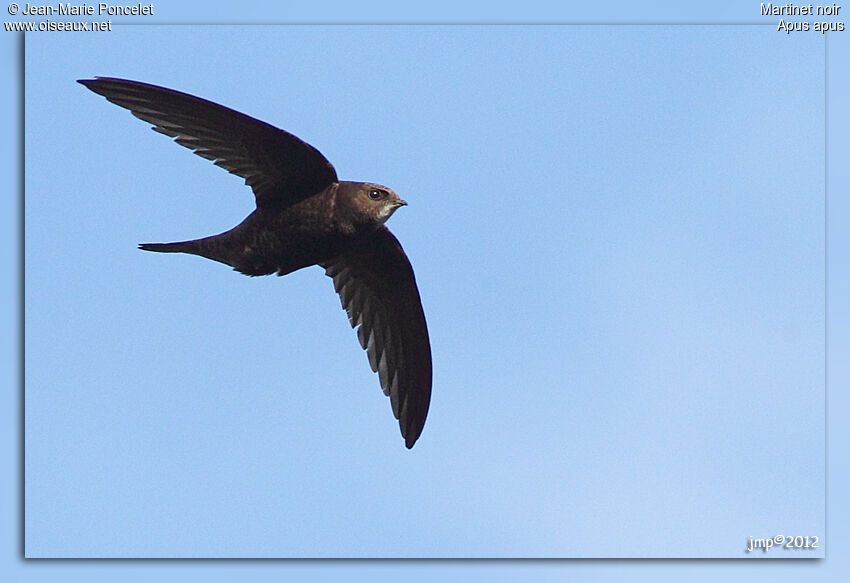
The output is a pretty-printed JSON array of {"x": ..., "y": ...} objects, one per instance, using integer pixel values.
[{"x": 377, "y": 288}]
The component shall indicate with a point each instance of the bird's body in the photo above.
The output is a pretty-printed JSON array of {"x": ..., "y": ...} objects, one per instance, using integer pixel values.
[
  {"x": 282, "y": 239},
  {"x": 305, "y": 216}
]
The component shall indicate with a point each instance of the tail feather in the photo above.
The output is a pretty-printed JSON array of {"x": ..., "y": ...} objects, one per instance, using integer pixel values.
[
  {"x": 181, "y": 247},
  {"x": 218, "y": 248},
  {"x": 221, "y": 248}
]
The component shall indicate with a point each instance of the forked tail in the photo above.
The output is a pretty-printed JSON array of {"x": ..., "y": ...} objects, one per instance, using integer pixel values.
[
  {"x": 218, "y": 248},
  {"x": 214, "y": 248},
  {"x": 182, "y": 247}
]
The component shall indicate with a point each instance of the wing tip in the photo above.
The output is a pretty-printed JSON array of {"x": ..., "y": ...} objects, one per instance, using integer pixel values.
[
  {"x": 89, "y": 84},
  {"x": 100, "y": 84},
  {"x": 412, "y": 436},
  {"x": 96, "y": 79}
]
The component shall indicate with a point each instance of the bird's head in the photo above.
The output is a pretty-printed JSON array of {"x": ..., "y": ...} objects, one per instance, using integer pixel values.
[{"x": 371, "y": 204}]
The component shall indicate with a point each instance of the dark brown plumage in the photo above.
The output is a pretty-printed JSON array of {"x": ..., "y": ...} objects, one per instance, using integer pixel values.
[{"x": 304, "y": 216}]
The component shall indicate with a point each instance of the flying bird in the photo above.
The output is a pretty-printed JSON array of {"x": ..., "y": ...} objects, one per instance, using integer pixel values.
[{"x": 305, "y": 216}]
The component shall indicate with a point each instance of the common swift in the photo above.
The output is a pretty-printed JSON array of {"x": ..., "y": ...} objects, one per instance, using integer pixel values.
[{"x": 305, "y": 216}]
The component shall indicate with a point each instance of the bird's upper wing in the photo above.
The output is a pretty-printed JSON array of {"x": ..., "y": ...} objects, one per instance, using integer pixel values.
[
  {"x": 377, "y": 288},
  {"x": 278, "y": 166}
]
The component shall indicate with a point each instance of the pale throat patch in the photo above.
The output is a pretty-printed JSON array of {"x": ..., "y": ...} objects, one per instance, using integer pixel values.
[{"x": 386, "y": 212}]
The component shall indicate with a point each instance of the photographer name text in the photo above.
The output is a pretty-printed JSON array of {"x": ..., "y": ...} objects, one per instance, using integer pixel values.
[{"x": 99, "y": 9}]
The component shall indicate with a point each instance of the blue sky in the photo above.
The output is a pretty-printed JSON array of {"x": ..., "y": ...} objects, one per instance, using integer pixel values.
[{"x": 618, "y": 237}]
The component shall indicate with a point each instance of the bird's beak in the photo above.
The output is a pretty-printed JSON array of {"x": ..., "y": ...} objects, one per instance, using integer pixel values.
[{"x": 400, "y": 202}]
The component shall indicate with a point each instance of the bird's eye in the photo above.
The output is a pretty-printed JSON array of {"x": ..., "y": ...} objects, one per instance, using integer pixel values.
[{"x": 376, "y": 194}]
